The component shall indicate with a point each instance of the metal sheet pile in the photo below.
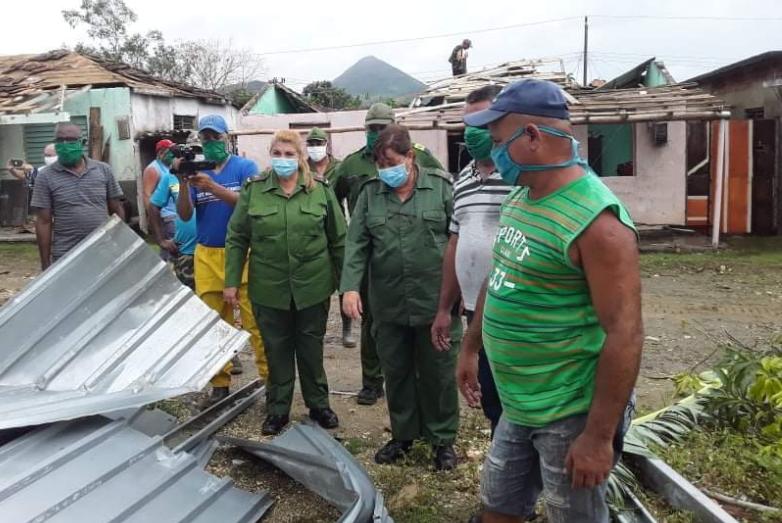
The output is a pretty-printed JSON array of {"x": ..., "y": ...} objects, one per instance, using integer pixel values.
[{"x": 83, "y": 349}]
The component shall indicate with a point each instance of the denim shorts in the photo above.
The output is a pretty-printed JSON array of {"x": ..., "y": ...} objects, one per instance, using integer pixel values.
[{"x": 524, "y": 462}]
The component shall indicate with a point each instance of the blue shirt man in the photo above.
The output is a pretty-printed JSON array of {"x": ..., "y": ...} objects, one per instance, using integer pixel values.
[
  {"x": 211, "y": 195},
  {"x": 164, "y": 197}
]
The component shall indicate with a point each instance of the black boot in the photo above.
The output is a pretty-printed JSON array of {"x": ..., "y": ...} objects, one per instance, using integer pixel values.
[
  {"x": 326, "y": 418},
  {"x": 444, "y": 457},
  {"x": 392, "y": 452},
  {"x": 369, "y": 395},
  {"x": 273, "y": 424}
]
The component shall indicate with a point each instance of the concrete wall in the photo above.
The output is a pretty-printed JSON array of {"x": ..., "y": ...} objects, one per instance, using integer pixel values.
[
  {"x": 657, "y": 194},
  {"x": 153, "y": 114},
  {"x": 114, "y": 103},
  {"x": 256, "y": 147}
]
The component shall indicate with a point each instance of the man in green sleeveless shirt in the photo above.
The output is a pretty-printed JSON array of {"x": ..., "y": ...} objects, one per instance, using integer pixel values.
[{"x": 561, "y": 314}]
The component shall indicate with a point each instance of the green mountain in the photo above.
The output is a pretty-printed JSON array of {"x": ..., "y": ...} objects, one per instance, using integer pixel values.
[{"x": 372, "y": 77}]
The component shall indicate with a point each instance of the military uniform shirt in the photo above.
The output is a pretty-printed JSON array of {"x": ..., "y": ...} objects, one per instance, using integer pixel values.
[
  {"x": 359, "y": 167},
  {"x": 296, "y": 243},
  {"x": 402, "y": 246}
]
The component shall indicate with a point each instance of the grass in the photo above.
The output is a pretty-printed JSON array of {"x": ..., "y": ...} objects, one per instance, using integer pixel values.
[
  {"x": 416, "y": 493},
  {"x": 742, "y": 253},
  {"x": 729, "y": 463},
  {"x": 24, "y": 252}
]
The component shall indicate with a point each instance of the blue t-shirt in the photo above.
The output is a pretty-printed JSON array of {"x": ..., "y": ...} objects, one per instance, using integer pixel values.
[
  {"x": 167, "y": 191},
  {"x": 212, "y": 213},
  {"x": 169, "y": 208}
]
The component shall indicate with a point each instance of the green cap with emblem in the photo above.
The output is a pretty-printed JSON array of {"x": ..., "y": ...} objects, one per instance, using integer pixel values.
[
  {"x": 380, "y": 114},
  {"x": 316, "y": 133}
]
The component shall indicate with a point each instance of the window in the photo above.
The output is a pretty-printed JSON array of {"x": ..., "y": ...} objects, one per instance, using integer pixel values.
[
  {"x": 611, "y": 149},
  {"x": 184, "y": 122},
  {"x": 755, "y": 113}
]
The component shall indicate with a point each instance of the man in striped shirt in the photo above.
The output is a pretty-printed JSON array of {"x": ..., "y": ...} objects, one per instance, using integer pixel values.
[
  {"x": 75, "y": 193},
  {"x": 561, "y": 317},
  {"x": 477, "y": 196}
]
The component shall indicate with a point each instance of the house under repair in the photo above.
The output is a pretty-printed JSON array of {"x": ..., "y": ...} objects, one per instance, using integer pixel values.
[{"x": 122, "y": 111}]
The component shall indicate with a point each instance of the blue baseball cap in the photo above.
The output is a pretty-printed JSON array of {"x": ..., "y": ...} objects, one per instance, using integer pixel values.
[
  {"x": 214, "y": 122},
  {"x": 533, "y": 97}
]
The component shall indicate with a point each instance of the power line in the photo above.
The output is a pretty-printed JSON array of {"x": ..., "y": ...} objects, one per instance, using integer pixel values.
[{"x": 418, "y": 38}]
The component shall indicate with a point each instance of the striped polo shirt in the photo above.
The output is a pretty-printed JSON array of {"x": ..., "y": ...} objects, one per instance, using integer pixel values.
[
  {"x": 476, "y": 213},
  {"x": 540, "y": 330},
  {"x": 78, "y": 202}
]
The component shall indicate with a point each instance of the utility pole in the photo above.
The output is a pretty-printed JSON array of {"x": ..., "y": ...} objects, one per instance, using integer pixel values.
[{"x": 586, "y": 47}]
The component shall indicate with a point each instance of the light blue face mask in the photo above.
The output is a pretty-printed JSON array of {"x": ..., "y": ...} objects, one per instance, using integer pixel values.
[
  {"x": 510, "y": 170},
  {"x": 394, "y": 176},
  {"x": 285, "y": 167}
]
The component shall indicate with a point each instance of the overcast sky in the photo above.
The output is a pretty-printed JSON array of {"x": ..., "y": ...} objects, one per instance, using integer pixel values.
[{"x": 687, "y": 46}]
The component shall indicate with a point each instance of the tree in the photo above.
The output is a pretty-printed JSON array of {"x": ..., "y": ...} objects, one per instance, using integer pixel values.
[
  {"x": 208, "y": 64},
  {"x": 324, "y": 94}
]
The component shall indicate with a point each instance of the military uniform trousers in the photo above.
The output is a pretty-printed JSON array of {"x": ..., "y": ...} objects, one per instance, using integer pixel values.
[
  {"x": 294, "y": 338},
  {"x": 371, "y": 371},
  {"x": 209, "y": 272},
  {"x": 421, "y": 390}
]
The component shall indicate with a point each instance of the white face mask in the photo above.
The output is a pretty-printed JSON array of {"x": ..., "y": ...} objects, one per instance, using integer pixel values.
[
  {"x": 48, "y": 160},
  {"x": 317, "y": 153}
]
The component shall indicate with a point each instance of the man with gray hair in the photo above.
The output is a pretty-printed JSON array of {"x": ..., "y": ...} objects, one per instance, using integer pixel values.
[{"x": 75, "y": 193}]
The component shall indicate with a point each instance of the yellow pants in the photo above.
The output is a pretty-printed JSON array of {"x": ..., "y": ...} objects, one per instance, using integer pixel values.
[{"x": 209, "y": 282}]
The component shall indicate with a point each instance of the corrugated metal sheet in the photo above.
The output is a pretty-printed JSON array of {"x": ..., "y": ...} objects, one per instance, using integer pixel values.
[
  {"x": 107, "y": 327},
  {"x": 309, "y": 454},
  {"x": 98, "y": 470}
]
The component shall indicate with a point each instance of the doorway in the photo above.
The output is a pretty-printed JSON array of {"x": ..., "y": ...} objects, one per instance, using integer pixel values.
[{"x": 764, "y": 139}]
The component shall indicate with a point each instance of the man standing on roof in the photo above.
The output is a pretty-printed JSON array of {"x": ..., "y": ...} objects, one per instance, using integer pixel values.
[
  {"x": 458, "y": 58},
  {"x": 212, "y": 195},
  {"x": 150, "y": 178},
  {"x": 75, "y": 192},
  {"x": 560, "y": 317},
  {"x": 323, "y": 167},
  {"x": 356, "y": 169},
  {"x": 477, "y": 196}
]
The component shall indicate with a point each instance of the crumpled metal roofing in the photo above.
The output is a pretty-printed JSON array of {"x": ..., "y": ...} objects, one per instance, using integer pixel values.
[
  {"x": 309, "y": 454},
  {"x": 97, "y": 470},
  {"x": 107, "y": 327}
]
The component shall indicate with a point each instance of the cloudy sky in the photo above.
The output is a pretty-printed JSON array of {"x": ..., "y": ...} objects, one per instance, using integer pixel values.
[{"x": 691, "y": 36}]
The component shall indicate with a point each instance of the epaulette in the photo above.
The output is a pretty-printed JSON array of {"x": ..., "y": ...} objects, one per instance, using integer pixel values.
[
  {"x": 322, "y": 180},
  {"x": 440, "y": 174},
  {"x": 257, "y": 178},
  {"x": 420, "y": 147}
]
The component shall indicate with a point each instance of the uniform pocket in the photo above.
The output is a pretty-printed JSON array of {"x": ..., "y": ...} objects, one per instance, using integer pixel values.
[
  {"x": 310, "y": 231},
  {"x": 435, "y": 221},
  {"x": 265, "y": 221}
]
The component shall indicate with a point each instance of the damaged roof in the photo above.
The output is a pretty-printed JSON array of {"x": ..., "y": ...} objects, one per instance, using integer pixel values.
[
  {"x": 25, "y": 77},
  {"x": 107, "y": 327},
  {"x": 95, "y": 469}
]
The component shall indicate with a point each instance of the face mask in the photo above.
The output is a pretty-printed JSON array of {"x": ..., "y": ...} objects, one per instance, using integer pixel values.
[
  {"x": 285, "y": 167},
  {"x": 317, "y": 152},
  {"x": 69, "y": 153},
  {"x": 371, "y": 139},
  {"x": 394, "y": 176},
  {"x": 478, "y": 142},
  {"x": 510, "y": 170},
  {"x": 168, "y": 158},
  {"x": 48, "y": 160},
  {"x": 215, "y": 151}
]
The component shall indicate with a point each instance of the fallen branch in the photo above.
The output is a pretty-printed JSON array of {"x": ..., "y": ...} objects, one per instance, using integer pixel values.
[{"x": 740, "y": 503}]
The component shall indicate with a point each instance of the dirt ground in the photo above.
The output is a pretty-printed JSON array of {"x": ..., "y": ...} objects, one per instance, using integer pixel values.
[{"x": 689, "y": 302}]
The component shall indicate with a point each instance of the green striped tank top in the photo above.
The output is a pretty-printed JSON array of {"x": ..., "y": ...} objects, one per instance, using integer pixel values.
[{"x": 540, "y": 330}]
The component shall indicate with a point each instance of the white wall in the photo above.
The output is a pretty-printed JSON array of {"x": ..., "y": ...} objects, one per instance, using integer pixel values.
[
  {"x": 156, "y": 113},
  {"x": 657, "y": 194},
  {"x": 256, "y": 147}
]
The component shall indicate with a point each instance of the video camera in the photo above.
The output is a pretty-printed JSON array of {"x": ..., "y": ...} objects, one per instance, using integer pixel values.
[{"x": 188, "y": 165}]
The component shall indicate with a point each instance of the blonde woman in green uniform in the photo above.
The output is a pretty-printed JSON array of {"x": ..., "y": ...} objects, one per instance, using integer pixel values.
[{"x": 294, "y": 231}]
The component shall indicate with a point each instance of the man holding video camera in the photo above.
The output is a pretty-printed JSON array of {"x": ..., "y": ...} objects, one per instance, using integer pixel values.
[{"x": 211, "y": 189}]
